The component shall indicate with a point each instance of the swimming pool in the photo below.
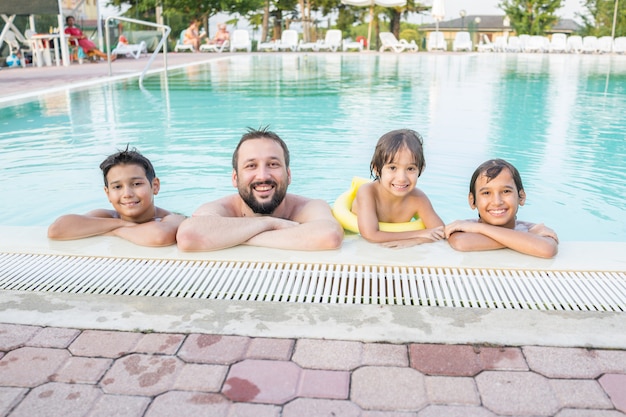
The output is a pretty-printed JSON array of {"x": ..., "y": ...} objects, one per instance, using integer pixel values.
[{"x": 559, "y": 118}]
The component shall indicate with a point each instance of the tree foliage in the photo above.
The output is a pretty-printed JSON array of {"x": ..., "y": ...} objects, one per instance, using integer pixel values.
[
  {"x": 598, "y": 21},
  {"x": 532, "y": 17}
]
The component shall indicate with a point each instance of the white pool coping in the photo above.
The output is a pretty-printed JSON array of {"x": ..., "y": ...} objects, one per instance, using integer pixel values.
[{"x": 372, "y": 323}]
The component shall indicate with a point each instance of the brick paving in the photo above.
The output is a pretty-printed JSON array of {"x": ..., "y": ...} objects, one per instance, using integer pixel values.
[{"x": 46, "y": 371}]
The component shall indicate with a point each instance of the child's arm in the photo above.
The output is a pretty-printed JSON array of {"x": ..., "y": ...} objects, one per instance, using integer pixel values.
[
  {"x": 77, "y": 226},
  {"x": 368, "y": 222},
  {"x": 467, "y": 235},
  {"x": 152, "y": 233}
]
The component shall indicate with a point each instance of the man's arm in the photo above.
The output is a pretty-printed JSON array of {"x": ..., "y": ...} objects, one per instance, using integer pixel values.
[
  {"x": 474, "y": 236},
  {"x": 316, "y": 229},
  {"x": 77, "y": 226},
  {"x": 153, "y": 233}
]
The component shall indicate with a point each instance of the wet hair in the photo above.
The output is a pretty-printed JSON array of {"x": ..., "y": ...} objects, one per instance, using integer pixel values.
[
  {"x": 127, "y": 157},
  {"x": 390, "y": 143},
  {"x": 260, "y": 133},
  {"x": 491, "y": 169}
]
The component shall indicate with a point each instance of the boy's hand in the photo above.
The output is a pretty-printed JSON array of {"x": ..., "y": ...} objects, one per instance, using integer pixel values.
[
  {"x": 541, "y": 229},
  {"x": 460, "y": 226}
]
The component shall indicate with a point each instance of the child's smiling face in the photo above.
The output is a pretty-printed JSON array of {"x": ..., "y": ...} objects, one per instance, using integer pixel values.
[
  {"x": 497, "y": 199},
  {"x": 130, "y": 192}
]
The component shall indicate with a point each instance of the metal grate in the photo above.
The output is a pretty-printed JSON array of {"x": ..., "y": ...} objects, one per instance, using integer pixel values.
[{"x": 317, "y": 283}]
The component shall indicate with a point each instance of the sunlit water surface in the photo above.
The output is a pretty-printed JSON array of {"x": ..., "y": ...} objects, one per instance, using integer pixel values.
[{"x": 558, "y": 118}]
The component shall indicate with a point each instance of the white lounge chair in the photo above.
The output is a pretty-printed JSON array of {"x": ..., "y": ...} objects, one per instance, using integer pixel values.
[
  {"x": 513, "y": 44},
  {"x": 390, "y": 42},
  {"x": 436, "y": 42},
  {"x": 350, "y": 44},
  {"x": 575, "y": 44},
  {"x": 537, "y": 44},
  {"x": 240, "y": 40},
  {"x": 590, "y": 44},
  {"x": 215, "y": 47},
  {"x": 14, "y": 47},
  {"x": 499, "y": 44},
  {"x": 485, "y": 45},
  {"x": 558, "y": 43},
  {"x": 605, "y": 45},
  {"x": 619, "y": 45},
  {"x": 462, "y": 42},
  {"x": 288, "y": 40},
  {"x": 331, "y": 42},
  {"x": 524, "y": 40},
  {"x": 133, "y": 50},
  {"x": 181, "y": 45}
]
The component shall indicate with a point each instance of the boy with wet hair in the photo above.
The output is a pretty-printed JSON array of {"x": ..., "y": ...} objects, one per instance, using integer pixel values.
[
  {"x": 496, "y": 191},
  {"x": 130, "y": 184}
]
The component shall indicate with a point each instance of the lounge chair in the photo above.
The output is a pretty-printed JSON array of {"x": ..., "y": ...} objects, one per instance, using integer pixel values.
[
  {"x": 462, "y": 42},
  {"x": 558, "y": 43},
  {"x": 619, "y": 45},
  {"x": 14, "y": 47},
  {"x": 215, "y": 47},
  {"x": 590, "y": 44},
  {"x": 499, "y": 44},
  {"x": 181, "y": 45},
  {"x": 331, "y": 42},
  {"x": 513, "y": 44},
  {"x": 537, "y": 44},
  {"x": 436, "y": 42},
  {"x": 605, "y": 45},
  {"x": 575, "y": 44},
  {"x": 288, "y": 40},
  {"x": 485, "y": 45},
  {"x": 390, "y": 42},
  {"x": 349, "y": 44},
  {"x": 524, "y": 40},
  {"x": 240, "y": 40},
  {"x": 130, "y": 50}
]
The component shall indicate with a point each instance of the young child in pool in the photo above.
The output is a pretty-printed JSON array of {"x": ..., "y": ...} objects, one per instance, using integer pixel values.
[
  {"x": 496, "y": 190},
  {"x": 130, "y": 184},
  {"x": 392, "y": 197}
]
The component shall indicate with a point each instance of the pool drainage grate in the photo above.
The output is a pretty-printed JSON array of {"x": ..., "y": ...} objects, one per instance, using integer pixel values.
[{"x": 317, "y": 282}]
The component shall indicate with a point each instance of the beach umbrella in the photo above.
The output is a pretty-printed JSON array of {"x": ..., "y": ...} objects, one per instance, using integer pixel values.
[
  {"x": 438, "y": 12},
  {"x": 371, "y": 4}
]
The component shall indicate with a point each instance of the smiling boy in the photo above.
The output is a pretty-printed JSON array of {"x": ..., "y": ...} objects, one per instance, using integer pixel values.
[
  {"x": 496, "y": 191},
  {"x": 130, "y": 184}
]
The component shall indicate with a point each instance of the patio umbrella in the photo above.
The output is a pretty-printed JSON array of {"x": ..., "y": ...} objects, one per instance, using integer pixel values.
[
  {"x": 371, "y": 4},
  {"x": 438, "y": 12}
]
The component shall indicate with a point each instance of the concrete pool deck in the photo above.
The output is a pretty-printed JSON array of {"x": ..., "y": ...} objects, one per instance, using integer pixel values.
[{"x": 86, "y": 355}]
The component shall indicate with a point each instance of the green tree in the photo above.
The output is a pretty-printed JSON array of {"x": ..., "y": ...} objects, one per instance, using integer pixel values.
[
  {"x": 598, "y": 21},
  {"x": 532, "y": 17}
]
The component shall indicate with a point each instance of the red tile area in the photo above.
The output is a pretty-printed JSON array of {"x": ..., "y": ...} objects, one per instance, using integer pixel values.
[{"x": 69, "y": 372}]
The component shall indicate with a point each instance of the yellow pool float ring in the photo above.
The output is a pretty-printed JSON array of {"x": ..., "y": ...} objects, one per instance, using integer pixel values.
[{"x": 342, "y": 210}]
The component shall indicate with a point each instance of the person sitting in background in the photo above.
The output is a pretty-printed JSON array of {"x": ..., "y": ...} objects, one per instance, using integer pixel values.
[
  {"x": 75, "y": 34},
  {"x": 193, "y": 36},
  {"x": 221, "y": 35}
]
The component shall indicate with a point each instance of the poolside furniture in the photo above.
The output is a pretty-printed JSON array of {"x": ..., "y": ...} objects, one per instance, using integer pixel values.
[
  {"x": 390, "y": 42},
  {"x": 590, "y": 44},
  {"x": 288, "y": 41},
  {"x": 240, "y": 40},
  {"x": 331, "y": 42},
  {"x": 537, "y": 44},
  {"x": 462, "y": 42},
  {"x": 436, "y": 42},
  {"x": 214, "y": 47},
  {"x": 14, "y": 47},
  {"x": 513, "y": 44},
  {"x": 619, "y": 45},
  {"x": 485, "y": 45},
  {"x": 524, "y": 41},
  {"x": 558, "y": 43},
  {"x": 499, "y": 44},
  {"x": 605, "y": 45},
  {"x": 575, "y": 44},
  {"x": 130, "y": 50},
  {"x": 180, "y": 43},
  {"x": 348, "y": 44}
]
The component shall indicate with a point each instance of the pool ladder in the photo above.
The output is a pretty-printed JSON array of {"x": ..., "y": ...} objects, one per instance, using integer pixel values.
[{"x": 162, "y": 44}]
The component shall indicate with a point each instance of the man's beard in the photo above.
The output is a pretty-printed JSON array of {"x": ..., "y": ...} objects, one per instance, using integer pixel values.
[{"x": 258, "y": 207}]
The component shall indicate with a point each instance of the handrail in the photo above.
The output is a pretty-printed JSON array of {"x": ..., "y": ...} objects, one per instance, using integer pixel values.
[{"x": 162, "y": 43}]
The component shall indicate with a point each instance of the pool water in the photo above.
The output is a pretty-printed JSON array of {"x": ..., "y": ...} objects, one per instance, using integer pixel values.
[{"x": 558, "y": 118}]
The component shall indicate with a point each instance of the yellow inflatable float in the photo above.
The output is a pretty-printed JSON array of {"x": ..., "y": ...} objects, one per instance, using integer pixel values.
[{"x": 342, "y": 210}]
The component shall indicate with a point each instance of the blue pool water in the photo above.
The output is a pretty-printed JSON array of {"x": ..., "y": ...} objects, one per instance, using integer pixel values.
[{"x": 558, "y": 118}]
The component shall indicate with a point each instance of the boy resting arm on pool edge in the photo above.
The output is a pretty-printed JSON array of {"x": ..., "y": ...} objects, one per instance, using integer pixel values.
[
  {"x": 496, "y": 191},
  {"x": 130, "y": 185}
]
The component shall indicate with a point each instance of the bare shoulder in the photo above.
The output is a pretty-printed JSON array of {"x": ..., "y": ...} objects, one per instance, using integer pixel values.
[
  {"x": 302, "y": 209},
  {"x": 225, "y": 207},
  {"x": 103, "y": 213}
]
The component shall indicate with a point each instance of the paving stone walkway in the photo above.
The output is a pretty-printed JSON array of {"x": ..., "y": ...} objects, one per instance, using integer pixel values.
[{"x": 47, "y": 371}]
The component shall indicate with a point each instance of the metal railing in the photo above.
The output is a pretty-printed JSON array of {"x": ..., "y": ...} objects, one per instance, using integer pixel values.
[{"x": 162, "y": 44}]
